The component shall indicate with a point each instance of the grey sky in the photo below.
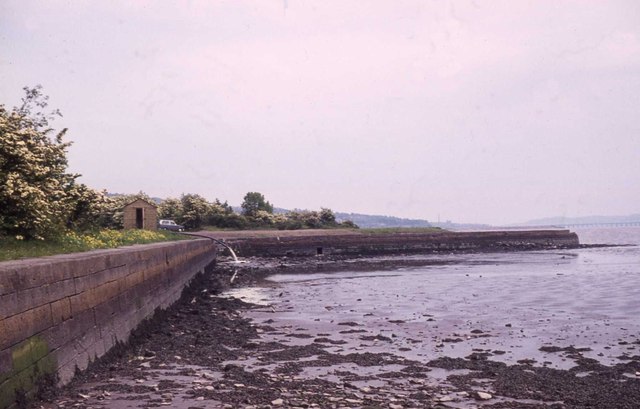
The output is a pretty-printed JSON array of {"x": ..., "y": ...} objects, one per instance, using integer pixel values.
[{"x": 480, "y": 111}]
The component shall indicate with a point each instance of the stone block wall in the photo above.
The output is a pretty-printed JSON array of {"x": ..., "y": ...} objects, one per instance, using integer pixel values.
[
  {"x": 59, "y": 313},
  {"x": 403, "y": 243}
]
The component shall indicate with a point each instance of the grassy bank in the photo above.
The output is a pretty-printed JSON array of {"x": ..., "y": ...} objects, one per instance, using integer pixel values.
[
  {"x": 389, "y": 230},
  {"x": 12, "y": 248}
]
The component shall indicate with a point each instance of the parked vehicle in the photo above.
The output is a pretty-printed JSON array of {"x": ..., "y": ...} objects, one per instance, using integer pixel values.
[{"x": 164, "y": 224}]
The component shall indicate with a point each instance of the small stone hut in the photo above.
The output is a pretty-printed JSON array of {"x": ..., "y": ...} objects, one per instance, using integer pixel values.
[{"x": 140, "y": 214}]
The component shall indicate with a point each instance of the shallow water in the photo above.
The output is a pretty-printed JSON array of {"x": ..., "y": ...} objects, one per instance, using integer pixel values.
[{"x": 507, "y": 302}]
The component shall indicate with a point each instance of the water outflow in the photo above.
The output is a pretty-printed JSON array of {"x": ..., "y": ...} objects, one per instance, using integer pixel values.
[{"x": 233, "y": 253}]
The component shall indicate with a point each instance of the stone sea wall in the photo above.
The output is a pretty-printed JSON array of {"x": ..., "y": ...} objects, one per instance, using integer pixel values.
[
  {"x": 59, "y": 313},
  {"x": 402, "y": 243}
]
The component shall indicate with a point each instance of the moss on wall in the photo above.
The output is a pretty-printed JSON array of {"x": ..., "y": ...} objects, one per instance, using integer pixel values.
[{"x": 32, "y": 368}]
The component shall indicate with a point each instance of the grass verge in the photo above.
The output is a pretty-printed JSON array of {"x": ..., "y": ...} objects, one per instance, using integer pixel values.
[
  {"x": 12, "y": 248},
  {"x": 389, "y": 230}
]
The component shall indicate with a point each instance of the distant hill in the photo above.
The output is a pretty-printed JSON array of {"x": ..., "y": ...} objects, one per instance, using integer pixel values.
[
  {"x": 553, "y": 221},
  {"x": 376, "y": 221}
]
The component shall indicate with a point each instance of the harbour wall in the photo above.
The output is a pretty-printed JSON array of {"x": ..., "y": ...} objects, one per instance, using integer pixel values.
[
  {"x": 59, "y": 313},
  {"x": 401, "y": 243}
]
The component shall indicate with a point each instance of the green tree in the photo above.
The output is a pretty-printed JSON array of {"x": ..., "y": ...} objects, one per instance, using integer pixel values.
[
  {"x": 327, "y": 217},
  {"x": 88, "y": 208},
  {"x": 195, "y": 211},
  {"x": 37, "y": 195},
  {"x": 254, "y": 202},
  {"x": 171, "y": 208}
]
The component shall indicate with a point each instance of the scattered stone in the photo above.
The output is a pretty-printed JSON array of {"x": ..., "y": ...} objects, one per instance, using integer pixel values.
[
  {"x": 277, "y": 402},
  {"x": 349, "y": 324},
  {"x": 483, "y": 395}
]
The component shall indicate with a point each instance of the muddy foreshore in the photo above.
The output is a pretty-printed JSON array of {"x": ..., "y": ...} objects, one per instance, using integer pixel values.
[{"x": 203, "y": 353}]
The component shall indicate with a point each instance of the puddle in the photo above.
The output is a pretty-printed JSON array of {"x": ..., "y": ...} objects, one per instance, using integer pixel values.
[{"x": 252, "y": 295}]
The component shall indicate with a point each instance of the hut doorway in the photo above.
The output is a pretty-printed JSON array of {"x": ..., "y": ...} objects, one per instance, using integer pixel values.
[{"x": 139, "y": 218}]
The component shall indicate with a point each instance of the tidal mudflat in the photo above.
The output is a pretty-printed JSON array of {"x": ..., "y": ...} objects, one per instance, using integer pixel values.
[{"x": 549, "y": 329}]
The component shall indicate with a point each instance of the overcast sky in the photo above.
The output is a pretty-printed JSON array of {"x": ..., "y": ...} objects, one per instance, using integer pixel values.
[{"x": 474, "y": 111}]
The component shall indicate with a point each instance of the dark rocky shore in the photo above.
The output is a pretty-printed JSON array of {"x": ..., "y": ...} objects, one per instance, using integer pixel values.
[{"x": 202, "y": 353}]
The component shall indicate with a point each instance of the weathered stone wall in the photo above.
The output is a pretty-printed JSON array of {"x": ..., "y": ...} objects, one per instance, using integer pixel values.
[
  {"x": 59, "y": 313},
  {"x": 398, "y": 243}
]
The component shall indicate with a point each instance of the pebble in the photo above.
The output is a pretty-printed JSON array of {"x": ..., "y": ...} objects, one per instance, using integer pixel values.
[
  {"x": 395, "y": 406},
  {"x": 483, "y": 395},
  {"x": 277, "y": 402}
]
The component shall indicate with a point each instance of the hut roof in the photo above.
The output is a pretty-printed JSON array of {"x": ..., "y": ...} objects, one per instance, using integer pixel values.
[{"x": 141, "y": 200}]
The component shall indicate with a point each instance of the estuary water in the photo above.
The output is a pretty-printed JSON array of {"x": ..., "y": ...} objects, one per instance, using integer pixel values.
[{"x": 517, "y": 306}]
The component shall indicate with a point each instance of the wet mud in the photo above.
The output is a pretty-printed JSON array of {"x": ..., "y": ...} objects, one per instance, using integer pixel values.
[{"x": 275, "y": 338}]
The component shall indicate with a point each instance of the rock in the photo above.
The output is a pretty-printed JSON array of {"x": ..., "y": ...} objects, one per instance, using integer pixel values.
[
  {"x": 395, "y": 406},
  {"x": 277, "y": 402},
  {"x": 445, "y": 399},
  {"x": 83, "y": 396},
  {"x": 483, "y": 395}
]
